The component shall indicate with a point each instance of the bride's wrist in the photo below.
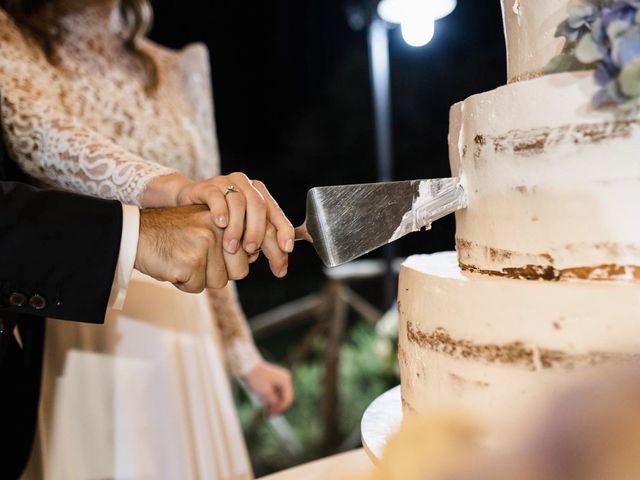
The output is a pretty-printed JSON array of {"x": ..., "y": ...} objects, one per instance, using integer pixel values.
[{"x": 164, "y": 191}]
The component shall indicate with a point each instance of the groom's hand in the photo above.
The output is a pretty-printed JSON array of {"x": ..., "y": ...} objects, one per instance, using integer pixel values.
[{"x": 183, "y": 246}]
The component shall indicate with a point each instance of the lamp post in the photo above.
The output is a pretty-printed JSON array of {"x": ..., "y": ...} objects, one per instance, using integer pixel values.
[
  {"x": 416, "y": 19},
  {"x": 379, "y": 73}
]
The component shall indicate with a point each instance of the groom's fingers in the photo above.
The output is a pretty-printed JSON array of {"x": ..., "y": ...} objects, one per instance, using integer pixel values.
[
  {"x": 237, "y": 264},
  {"x": 217, "y": 274},
  {"x": 194, "y": 282},
  {"x": 192, "y": 261}
]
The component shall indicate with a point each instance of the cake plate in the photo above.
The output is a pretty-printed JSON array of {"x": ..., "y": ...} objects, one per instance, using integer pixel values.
[{"x": 381, "y": 420}]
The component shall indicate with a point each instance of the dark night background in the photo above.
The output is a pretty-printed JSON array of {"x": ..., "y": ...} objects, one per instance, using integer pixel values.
[{"x": 293, "y": 105}]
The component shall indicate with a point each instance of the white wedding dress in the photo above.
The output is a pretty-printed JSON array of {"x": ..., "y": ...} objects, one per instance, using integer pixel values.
[{"x": 146, "y": 395}]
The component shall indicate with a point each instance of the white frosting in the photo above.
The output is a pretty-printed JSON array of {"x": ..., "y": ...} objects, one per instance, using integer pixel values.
[
  {"x": 551, "y": 182},
  {"x": 417, "y": 217},
  {"x": 530, "y": 27},
  {"x": 553, "y": 187},
  {"x": 572, "y": 320},
  {"x": 553, "y": 190}
]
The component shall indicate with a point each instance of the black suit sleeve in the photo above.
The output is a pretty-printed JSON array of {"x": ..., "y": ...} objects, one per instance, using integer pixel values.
[{"x": 58, "y": 252}]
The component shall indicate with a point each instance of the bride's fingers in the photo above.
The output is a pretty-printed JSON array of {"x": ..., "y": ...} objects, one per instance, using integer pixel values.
[
  {"x": 278, "y": 260},
  {"x": 209, "y": 194},
  {"x": 283, "y": 391},
  {"x": 270, "y": 399},
  {"x": 237, "y": 206},
  {"x": 256, "y": 213},
  {"x": 285, "y": 231},
  {"x": 287, "y": 394},
  {"x": 275, "y": 407}
]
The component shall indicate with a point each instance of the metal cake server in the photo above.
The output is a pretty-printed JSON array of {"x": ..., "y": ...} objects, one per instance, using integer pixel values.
[{"x": 345, "y": 222}]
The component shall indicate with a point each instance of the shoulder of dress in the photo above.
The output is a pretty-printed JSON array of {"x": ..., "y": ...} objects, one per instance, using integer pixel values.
[
  {"x": 192, "y": 58},
  {"x": 196, "y": 50},
  {"x": 4, "y": 17},
  {"x": 18, "y": 53},
  {"x": 10, "y": 33}
]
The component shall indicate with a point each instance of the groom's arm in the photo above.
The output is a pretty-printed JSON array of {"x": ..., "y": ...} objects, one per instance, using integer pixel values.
[
  {"x": 58, "y": 252},
  {"x": 64, "y": 255}
]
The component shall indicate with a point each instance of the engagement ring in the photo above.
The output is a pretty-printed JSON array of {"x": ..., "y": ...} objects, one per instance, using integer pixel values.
[{"x": 230, "y": 189}]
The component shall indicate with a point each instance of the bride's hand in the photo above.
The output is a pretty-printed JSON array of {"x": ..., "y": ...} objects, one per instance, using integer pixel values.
[
  {"x": 273, "y": 385},
  {"x": 251, "y": 202}
]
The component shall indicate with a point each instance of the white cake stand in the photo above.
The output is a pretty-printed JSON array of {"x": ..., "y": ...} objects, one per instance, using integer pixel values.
[{"x": 381, "y": 420}]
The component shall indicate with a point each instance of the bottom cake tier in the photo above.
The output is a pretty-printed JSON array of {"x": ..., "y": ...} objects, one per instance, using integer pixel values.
[{"x": 498, "y": 348}]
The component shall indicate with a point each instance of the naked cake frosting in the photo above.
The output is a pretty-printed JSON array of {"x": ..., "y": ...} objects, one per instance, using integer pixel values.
[{"x": 545, "y": 283}]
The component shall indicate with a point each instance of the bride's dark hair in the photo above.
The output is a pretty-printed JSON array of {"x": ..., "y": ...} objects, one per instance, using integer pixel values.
[{"x": 39, "y": 18}]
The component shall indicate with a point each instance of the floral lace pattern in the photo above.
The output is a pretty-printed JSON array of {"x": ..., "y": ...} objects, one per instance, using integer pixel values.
[
  {"x": 242, "y": 353},
  {"x": 87, "y": 125}
]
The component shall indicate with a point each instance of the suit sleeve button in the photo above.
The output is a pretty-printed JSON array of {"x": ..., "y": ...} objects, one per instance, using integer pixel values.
[
  {"x": 38, "y": 302},
  {"x": 17, "y": 299}
]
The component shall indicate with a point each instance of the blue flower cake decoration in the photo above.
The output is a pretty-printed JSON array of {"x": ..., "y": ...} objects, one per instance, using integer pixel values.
[{"x": 604, "y": 35}]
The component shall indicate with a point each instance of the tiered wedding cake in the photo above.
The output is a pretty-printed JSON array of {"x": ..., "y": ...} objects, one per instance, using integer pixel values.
[{"x": 546, "y": 281}]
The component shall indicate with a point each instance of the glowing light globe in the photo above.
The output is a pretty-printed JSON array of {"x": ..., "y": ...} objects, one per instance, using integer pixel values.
[
  {"x": 415, "y": 17},
  {"x": 418, "y": 32}
]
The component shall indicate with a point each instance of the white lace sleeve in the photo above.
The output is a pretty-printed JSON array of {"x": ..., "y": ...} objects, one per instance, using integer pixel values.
[
  {"x": 54, "y": 147},
  {"x": 60, "y": 152},
  {"x": 241, "y": 351}
]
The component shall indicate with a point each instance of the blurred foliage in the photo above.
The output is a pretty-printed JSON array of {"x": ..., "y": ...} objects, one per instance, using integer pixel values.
[{"x": 368, "y": 368}]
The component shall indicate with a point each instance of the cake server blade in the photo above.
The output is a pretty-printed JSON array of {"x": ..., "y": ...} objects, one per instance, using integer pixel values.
[{"x": 345, "y": 222}]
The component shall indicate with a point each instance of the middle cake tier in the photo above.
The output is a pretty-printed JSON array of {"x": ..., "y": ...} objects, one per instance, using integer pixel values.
[
  {"x": 553, "y": 184},
  {"x": 498, "y": 347}
]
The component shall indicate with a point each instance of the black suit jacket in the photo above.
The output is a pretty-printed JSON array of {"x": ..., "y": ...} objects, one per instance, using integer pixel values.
[{"x": 58, "y": 253}]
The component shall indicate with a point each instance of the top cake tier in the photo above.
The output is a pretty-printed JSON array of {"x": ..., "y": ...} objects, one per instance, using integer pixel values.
[{"x": 530, "y": 26}]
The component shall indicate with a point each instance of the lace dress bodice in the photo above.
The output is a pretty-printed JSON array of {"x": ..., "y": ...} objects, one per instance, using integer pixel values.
[{"x": 87, "y": 125}]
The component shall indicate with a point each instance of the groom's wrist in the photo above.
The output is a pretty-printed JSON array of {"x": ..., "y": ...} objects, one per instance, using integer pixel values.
[{"x": 127, "y": 255}]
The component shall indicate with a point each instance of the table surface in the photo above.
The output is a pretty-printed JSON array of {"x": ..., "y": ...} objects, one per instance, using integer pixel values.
[
  {"x": 381, "y": 420},
  {"x": 340, "y": 466}
]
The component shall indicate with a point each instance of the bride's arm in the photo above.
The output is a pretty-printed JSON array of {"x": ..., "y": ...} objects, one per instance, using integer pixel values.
[
  {"x": 272, "y": 384},
  {"x": 51, "y": 145},
  {"x": 57, "y": 150},
  {"x": 241, "y": 351}
]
